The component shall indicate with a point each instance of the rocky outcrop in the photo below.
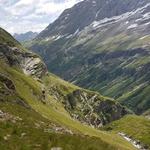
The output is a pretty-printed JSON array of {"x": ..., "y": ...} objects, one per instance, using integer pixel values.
[
  {"x": 7, "y": 82},
  {"x": 93, "y": 109},
  {"x": 87, "y": 106},
  {"x": 8, "y": 92},
  {"x": 30, "y": 63}
]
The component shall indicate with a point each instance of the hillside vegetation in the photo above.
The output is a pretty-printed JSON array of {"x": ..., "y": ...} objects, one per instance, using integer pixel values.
[{"x": 33, "y": 112}]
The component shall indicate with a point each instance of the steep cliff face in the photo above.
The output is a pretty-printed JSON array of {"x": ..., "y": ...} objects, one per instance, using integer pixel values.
[
  {"x": 88, "y": 107},
  {"x": 28, "y": 62},
  {"x": 93, "y": 109}
]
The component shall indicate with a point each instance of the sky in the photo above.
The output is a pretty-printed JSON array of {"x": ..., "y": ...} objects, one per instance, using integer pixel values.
[{"x": 20, "y": 16}]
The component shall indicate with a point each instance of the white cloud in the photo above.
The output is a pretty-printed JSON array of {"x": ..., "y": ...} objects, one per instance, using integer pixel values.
[
  {"x": 25, "y": 15},
  {"x": 25, "y": 2},
  {"x": 52, "y": 7}
]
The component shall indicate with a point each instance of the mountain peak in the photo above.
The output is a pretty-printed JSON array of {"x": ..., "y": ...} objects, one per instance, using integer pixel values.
[{"x": 85, "y": 12}]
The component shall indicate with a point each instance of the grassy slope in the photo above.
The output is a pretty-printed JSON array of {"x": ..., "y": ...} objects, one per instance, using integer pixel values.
[
  {"x": 53, "y": 113},
  {"x": 7, "y": 38},
  {"x": 35, "y": 137},
  {"x": 137, "y": 127},
  {"x": 30, "y": 91}
]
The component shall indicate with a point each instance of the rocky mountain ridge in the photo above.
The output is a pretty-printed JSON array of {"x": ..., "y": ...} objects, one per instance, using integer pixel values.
[{"x": 69, "y": 22}]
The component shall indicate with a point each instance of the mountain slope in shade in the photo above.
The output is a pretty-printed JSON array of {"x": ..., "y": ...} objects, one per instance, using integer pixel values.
[
  {"x": 106, "y": 49},
  {"x": 24, "y": 37},
  {"x": 35, "y": 103}
]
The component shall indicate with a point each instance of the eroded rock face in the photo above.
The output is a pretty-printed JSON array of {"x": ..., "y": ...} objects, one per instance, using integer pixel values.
[
  {"x": 7, "y": 82},
  {"x": 8, "y": 91},
  {"x": 89, "y": 107},
  {"x": 93, "y": 109},
  {"x": 30, "y": 63}
]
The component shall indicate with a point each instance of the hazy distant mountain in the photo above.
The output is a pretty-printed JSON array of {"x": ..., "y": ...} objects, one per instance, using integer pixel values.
[{"x": 23, "y": 37}]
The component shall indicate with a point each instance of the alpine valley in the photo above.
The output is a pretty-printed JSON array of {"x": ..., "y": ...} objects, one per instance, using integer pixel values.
[
  {"x": 38, "y": 110},
  {"x": 103, "y": 45},
  {"x": 102, "y": 50}
]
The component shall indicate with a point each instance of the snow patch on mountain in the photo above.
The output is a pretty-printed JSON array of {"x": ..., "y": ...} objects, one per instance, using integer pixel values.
[{"x": 132, "y": 26}]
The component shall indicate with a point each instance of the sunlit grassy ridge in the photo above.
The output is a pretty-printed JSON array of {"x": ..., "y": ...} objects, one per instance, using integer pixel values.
[
  {"x": 26, "y": 135},
  {"x": 24, "y": 99},
  {"x": 29, "y": 90}
]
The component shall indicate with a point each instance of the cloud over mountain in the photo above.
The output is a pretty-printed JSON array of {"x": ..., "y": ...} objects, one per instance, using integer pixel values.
[{"x": 25, "y": 15}]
